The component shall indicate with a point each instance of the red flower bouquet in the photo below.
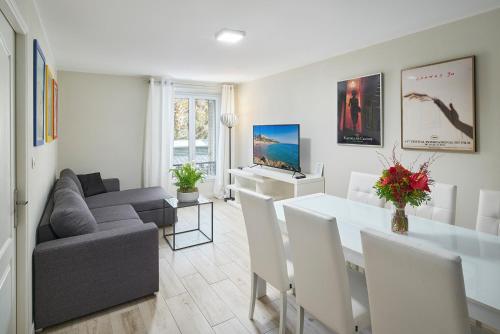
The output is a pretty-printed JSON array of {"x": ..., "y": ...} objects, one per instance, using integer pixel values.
[{"x": 401, "y": 186}]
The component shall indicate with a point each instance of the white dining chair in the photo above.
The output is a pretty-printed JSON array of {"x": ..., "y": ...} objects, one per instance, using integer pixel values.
[
  {"x": 361, "y": 189},
  {"x": 442, "y": 205},
  {"x": 413, "y": 290},
  {"x": 324, "y": 286},
  {"x": 267, "y": 250},
  {"x": 488, "y": 213}
]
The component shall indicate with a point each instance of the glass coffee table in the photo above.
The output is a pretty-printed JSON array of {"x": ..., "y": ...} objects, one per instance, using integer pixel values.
[{"x": 189, "y": 237}]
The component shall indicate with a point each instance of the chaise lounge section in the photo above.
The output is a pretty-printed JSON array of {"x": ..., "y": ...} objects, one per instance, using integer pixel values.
[
  {"x": 117, "y": 262},
  {"x": 147, "y": 202}
]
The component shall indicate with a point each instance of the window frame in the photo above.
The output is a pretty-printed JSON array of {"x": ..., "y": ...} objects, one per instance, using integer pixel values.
[{"x": 192, "y": 96}]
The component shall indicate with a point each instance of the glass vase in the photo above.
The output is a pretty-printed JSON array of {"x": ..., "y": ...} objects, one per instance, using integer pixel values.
[{"x": 399, "y": 221}]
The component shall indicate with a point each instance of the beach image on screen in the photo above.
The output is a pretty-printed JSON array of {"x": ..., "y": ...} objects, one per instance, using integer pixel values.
[{"x": 276, "y": 146}]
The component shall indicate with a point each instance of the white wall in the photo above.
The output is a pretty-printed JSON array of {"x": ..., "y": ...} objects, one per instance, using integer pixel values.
[
  {"x": 102, "y": 123},
  {"x": 41, "y": 175},
  {"x": 307, "y": 96}
]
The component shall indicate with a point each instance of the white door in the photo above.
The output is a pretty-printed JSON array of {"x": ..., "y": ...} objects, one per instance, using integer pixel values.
[{"x": 7, "y": 229}]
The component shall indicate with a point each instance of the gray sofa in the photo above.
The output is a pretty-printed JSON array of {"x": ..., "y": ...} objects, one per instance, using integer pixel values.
[{"x": 82, "y": 274}]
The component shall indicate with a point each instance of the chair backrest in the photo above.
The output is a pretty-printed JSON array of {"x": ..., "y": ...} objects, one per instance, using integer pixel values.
[
  {"x": 442, "y": 205},
  {"x": 413, "y": 290},
  {"x": 488, "y": 213},
  {"x": 265, "y": 241},
  {"x": 320, "y": 276},
  {"x": 361, "y": 189}
]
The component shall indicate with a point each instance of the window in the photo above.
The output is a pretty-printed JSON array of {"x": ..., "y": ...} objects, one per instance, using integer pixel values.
[{"x": 195, "y": 130}]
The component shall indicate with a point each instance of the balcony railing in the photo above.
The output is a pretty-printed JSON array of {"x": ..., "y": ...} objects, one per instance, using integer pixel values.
[{"x": 208, "y": 167}]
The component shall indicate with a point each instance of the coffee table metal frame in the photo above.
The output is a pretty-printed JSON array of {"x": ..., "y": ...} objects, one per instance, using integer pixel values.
[{"x": 174, "y": 204}]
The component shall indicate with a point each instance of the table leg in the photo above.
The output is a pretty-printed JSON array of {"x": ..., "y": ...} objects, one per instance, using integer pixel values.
[
  {"x": 261, "y": 287},
  {"x": 163, "y": 221},
  {"x": 199, "y": 217},
  {"x": 173, "y": 227}
]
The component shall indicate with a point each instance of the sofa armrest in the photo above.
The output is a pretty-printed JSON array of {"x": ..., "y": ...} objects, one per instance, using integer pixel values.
[
  {"x": 111, "y": 184},
  {"x": 87, "y": 273}
]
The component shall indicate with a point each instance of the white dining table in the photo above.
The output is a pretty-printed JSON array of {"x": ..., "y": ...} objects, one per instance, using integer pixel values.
[{"x": 480, "y": 252}]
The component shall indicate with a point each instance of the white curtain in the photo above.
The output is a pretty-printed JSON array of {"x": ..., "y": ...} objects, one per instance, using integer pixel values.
[
  {"x": 158, "y": 135},
  {"x": 222, "y": 163}
]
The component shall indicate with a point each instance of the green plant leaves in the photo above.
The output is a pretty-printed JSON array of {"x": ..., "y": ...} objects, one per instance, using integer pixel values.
[{"x": 187, "y": 176}]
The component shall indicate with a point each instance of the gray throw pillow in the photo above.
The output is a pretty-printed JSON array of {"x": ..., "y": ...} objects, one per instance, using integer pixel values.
[
  {"x": 69, "y": 173},
  {"x": 66, "y": 182},
  {"x": 71, "y": 215}
]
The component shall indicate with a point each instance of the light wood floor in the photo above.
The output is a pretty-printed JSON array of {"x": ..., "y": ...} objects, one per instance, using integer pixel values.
[{"x": 203, "y": 289}]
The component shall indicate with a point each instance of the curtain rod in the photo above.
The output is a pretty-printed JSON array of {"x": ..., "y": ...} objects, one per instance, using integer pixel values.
[
  {"x": 172, "y": 82},
  {"x": 157, "y": 81}
]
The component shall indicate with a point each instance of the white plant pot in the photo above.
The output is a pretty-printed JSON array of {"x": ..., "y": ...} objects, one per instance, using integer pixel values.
[{"x": 187, "y": 197}]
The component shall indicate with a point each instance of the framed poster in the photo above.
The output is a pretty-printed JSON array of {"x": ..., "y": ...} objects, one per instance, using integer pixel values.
[
  {"x": 438, "y": 106},
  {"x": 38, "y": 94},
  {"x": 55, "y": 107},
  {"x": 359, "y": 111},
  {"x": 49, "y": 103}
]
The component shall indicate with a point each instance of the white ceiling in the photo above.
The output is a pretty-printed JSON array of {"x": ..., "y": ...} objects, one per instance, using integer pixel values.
[{"x": 176, "y": 37}]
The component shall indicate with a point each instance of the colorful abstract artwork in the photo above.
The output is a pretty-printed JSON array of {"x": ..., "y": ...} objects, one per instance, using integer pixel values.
[
  {"x": 38, "y": 94},
  {"x": 55, "y": 108},
  {"x": 49, "y": 104}
]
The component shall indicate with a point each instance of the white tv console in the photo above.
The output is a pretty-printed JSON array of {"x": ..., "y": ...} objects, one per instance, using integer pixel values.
[{"x": 275, "y": 183}]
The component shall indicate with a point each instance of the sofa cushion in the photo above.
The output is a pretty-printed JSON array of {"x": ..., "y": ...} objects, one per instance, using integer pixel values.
[
  {"x": 112, "y": 213},
  {"x": 141, "y": 199},
  {"x": 112, "y": 225},
  {"x": 71, "y": 215},
  {"x": 44, "y": 231},
  {"x": 91, "y": 184},
  {"x": 66, "y": 182},
  {"x": 69, "y": 173},
  {"x": 112, "y": 184}
]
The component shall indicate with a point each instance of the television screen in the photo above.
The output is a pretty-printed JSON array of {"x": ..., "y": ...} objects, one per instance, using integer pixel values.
[{"x": 277, "y": 146}]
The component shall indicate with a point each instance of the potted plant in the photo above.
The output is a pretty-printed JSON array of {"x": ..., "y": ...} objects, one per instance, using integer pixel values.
[
  {"x": 187, "y": 176},
  {"x": 401, "y": 186}
]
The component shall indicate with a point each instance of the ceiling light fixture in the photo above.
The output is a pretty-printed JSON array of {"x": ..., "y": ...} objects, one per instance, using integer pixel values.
[{"x": 229, "y": 36}]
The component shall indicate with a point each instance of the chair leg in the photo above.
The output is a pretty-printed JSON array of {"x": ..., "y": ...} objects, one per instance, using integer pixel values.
[
  {"x": 253, "y": 295},
  {"x": 261, "y": 287},
  {"x": 283, "y": 306},
  {"x": 300, "y": 320}
]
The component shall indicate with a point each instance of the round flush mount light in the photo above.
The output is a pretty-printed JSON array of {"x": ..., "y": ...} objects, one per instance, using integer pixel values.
[{"x": 229, "y": 36}]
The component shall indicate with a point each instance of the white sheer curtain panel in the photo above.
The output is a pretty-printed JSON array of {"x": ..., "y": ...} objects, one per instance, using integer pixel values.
[
  {"x": 158, "y": 135},
  {"x": 222, "y": 162}
]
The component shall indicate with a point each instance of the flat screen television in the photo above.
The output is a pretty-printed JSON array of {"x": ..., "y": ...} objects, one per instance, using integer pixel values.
[{"x": 277, "y": 146}]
